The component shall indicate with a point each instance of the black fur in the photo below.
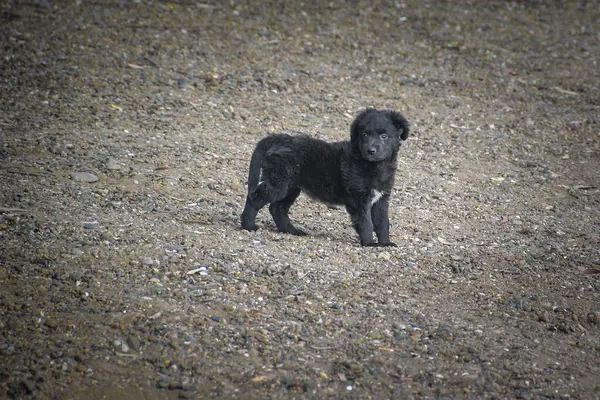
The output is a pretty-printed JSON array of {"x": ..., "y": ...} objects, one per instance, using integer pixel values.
[{"x": 351, "y": 173}]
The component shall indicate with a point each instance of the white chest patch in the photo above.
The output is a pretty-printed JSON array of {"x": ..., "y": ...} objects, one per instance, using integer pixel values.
[{"x": 375, "y": 196}]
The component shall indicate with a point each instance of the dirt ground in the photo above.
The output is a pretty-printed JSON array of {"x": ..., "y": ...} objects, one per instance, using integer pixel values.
[{"x": 126, "y": 131}]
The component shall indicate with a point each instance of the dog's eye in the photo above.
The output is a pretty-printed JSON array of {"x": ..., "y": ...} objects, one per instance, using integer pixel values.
[
  {"x": 365, "y": 134},
  {"x": 384, "y": 136}
]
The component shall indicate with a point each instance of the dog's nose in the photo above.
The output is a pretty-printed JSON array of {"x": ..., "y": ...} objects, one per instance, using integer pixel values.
[{"x": 371, "y": 151}]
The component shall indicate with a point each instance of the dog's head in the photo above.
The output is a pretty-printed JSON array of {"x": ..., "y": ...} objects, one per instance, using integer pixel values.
[{"x": 377, "y": 135}]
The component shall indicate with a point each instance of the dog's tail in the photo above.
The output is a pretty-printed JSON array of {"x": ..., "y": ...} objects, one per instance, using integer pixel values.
[
  {"x": 254, "y": 176},
  {"x": 273, "y": 155}
]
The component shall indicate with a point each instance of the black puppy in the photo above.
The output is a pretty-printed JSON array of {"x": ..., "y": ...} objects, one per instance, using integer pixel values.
[{"x": 358, "y": 174}]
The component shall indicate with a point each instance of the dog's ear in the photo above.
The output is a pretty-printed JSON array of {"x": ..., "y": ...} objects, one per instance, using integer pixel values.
[
  {"x": 399, "y": 123},
  {"x": 358, "y": 120}
]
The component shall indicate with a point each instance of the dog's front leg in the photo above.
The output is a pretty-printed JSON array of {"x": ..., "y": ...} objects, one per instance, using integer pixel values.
[
  {"x": 381, "y": 221},
  {"x": 362, "y": 223}
]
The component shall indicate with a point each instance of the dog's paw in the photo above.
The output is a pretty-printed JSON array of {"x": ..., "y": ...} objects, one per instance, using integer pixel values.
[
  {"x": 297, "y": 232},
  {"x": 250, "y": 228},
  {"x": 375, "y": 244}
]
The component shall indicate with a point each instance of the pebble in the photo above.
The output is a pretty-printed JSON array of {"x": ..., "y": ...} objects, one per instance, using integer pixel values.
[
  {"x": 521, "y": 303},
  {"x": 84, "y": 177},
  {"x": 147, "y": 261},
  {"x": 254, "y": 131},
  {"x": 112, "y": 165},
  {"x": 543, "y": 316},
  {"x": 162, "y": 384},
  {"x": 91, "y": 225},
  {"x": 444, "y": 333},
  {"x": 594, "y": 317},
  {"x": 134, "y": 342},
  {"x": 563, "y": 327},
  {"x": 226, "y": 114},
  {"x": 50, "y": 323},
  {"x": 384, "y": 255}
]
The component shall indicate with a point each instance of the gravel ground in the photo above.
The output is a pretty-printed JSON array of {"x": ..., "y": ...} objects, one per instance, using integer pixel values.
[{"x": 126, "y": 129}]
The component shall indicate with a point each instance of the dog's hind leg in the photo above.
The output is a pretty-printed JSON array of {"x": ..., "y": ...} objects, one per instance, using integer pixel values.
[
  {"x": 265, "y": 193},
  {"x": 252, "y": 207},
  {"x": 257, "y": 192},
  {"x": 279, "y": 211}
]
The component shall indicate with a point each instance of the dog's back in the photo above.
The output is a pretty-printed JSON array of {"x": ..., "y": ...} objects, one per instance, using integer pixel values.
[{"x": 308, "y": 163}]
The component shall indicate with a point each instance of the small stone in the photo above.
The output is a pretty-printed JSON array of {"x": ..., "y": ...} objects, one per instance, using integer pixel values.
[
  {"x": 384, "y": 255},
  {"x": 65, "y": 367},
  {"x": 50, "y": 323},
  {"x": 521, "y": 303},
  {"x": 147, "y": 261},
  {"x": 124, "y": 348},
  {"x": 78, "y": 357},
  {"x": 543, "y": 316},
  {"x": 162, "y": 384},
  {"x": 84, "y": 177},
  {"x": 134, "y": 342},
  {"x": 173, "y": 385},
  {"x": 91, "y": 225},
  {"x": 181, "y": 82},
  {"x": 76, "y": 251},
  {"x": 254, "y": 131},
  {"x": 262, "y": 379},
  {"x": 563, "y": 327},
  {"x": 80, "y": 368},
  {"x": 226, "y": 114},
  {"x": 216, "y": 318},
  {"x": 444, "y": 333},
  {"x": 594, "y": 317},
  {"x": 112, "y": 165}
]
